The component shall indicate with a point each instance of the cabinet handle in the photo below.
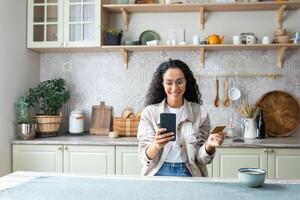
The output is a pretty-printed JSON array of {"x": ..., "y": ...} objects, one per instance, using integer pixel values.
[
  {"x": 271, "y": 151},
  {"x": 265, "y": 150},
  {"x": 66, "y": 148},
  {"x": 59, "y": 148},
  {"x": 61, "y": 44}
]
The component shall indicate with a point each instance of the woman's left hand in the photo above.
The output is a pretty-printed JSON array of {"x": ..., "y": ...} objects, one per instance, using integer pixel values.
[{"x": 213, "y": 141}]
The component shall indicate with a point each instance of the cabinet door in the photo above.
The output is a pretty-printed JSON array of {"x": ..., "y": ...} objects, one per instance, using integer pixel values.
[
  {"x": 82, "y": 23},
  {"x": 42, "y": 158},
  {"x": 284, "y": 163},
  {"x": 127, "y": 162},
  {"x": 45, "y": 23},
  {"x": 89, "y": 159},
  {"x": 228, "y": 160}
]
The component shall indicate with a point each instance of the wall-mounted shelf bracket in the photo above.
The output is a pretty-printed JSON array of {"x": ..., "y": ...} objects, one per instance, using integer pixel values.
[
  {"x": 125, "y": 18},
  {"x": 202, "y": 20},
  {"x": 280, "y": 12},
  {"x": 125, "y": 57},
  {"x": 281, "y": 53},
  {"x": 202, "y": 57}
]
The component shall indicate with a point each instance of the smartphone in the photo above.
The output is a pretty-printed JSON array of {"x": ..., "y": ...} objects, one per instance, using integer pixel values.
[
  {"x": 217, "y": 129},
  {"x": 168, "y": 121}
]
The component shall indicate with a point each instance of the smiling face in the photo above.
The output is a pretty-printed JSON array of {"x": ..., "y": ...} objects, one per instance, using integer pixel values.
[{"x": 174, "y": 85}]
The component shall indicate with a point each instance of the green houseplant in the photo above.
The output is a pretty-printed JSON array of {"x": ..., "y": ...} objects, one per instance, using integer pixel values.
[
  {"x": 26, "y": 123},
  {"x": 49, "y": 96}
]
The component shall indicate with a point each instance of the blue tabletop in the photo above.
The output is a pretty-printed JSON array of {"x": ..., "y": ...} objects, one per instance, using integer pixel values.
[{"x": 82, "y": 188}]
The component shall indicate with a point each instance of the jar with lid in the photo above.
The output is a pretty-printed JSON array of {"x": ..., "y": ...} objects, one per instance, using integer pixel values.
[{"x": 76, "y": 122}]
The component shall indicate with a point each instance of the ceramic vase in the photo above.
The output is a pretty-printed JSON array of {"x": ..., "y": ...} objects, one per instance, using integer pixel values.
[{"x": 249, "y": 128}]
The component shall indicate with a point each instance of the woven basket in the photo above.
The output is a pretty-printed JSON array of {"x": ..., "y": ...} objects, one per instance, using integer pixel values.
[
  {"x": 48, "y": 125},
  {"x": 126, "y": 126}
]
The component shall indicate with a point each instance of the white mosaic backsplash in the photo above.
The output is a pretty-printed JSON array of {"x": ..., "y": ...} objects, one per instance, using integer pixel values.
[{"x": 95, "y": 77}]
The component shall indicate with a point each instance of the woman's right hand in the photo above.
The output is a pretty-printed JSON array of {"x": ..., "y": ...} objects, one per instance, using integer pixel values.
[{"x": 161, "y": 138}]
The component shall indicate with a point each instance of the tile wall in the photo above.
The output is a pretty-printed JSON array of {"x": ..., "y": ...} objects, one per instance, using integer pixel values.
[{"x": 95, "y": 77}]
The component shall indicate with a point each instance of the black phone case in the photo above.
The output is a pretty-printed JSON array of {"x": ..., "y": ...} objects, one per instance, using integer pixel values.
[{"x": 168, "y": 121}]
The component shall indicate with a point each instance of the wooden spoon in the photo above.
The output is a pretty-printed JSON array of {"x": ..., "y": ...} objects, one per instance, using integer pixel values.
[
  {"x": 217, "y": 100},
  {"x": 226, "y": 98}
]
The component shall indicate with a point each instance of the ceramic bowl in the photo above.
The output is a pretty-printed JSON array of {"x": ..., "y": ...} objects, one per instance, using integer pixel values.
[
  {"x": 252, "y": 177},
  {"x": 129, "y": 42}
]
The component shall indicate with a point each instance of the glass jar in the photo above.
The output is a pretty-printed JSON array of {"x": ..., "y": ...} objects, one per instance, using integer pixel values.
[{"x": 76, "y": 122}]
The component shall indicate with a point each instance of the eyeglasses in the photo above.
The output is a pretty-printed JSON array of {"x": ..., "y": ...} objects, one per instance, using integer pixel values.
[{"x": 178, "y": 83}]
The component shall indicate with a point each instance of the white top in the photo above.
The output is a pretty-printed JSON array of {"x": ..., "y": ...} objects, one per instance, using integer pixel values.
[{"x": 174, "y": 153}]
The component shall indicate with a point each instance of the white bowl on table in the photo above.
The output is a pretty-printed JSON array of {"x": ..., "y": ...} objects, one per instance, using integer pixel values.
[{"x": 252, "y": 177}]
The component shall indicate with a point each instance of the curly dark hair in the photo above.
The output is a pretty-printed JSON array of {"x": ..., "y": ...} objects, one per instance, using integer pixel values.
[{"x": 156, "y": 91}]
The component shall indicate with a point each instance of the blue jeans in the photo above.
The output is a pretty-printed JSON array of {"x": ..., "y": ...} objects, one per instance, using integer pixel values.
[{"x": 173, "y": 169}]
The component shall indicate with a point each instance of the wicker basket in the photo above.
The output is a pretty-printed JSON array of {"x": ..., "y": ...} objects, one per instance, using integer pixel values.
[
  {"x": 126, "y": 126},
  {"x": 48, "y": 125}
]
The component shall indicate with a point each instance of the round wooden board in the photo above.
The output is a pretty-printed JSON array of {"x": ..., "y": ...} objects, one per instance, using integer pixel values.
[{"x": 281, "y": 113}]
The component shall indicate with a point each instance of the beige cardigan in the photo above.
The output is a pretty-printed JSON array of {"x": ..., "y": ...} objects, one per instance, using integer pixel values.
[{"x": 193, "y": 131}]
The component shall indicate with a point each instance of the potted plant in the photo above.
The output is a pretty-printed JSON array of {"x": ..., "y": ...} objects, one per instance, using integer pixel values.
[
  {"x": 26, "y": 123},
  {"x": 113, "y": 36},
  {"x": 50, "y": 97}
]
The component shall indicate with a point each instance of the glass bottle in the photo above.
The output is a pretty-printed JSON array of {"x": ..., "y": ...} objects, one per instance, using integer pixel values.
[{"x": 261, "y": 129}]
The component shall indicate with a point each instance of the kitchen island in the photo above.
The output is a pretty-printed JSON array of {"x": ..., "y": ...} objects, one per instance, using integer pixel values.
[{"x": 58, "y": 186}]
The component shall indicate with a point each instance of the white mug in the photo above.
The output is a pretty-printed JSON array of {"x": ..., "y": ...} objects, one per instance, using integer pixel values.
[
  {"x": 196, "y": 40},
  {"x": 236, "y": 39},
  {"x": 266, "y": 40},
  {"x": 250, "y": 39}
]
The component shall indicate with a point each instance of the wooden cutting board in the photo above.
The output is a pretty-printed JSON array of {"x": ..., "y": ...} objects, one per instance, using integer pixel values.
[
  {"x": 281, "y": 113},
  {"x": 101, "y": 119}
]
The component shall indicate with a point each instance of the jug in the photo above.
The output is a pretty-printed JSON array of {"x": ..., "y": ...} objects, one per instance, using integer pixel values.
[
  {"x": 215, "y": 39},
  {"x": 249, "y": 125}
]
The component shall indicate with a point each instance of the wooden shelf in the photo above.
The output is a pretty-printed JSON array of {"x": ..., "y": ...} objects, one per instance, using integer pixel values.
[
  {"x": 281, "y": 48},
  {"x": 166, "y": 48},
  {"x": 209, "y": 7},
  {"x": 197, "y": 47}
]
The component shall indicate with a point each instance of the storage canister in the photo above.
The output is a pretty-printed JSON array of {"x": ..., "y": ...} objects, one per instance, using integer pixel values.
[{"x": 76, "y": 122}]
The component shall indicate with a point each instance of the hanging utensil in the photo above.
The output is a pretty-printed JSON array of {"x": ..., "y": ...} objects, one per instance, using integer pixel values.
[
  {"x": 226, "y": 98},
  {"x": 217, "y": 99}
]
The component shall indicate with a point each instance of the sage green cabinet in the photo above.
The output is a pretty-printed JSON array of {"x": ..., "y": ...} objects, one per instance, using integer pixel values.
[
  {"x": 227, "y": 161},
  {"x": 89, "y": 159},
  {"x": 127, "y": 162},
  {"x": 42, "y": 158},
  {"x": 63, "y": 23},
  {"x": 279, "y": 163},
  {"x": 64, "y": 158},
  {"x": 284, "y": 163}
]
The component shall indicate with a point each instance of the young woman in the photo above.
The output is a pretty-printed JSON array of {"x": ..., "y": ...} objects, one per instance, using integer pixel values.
[{"x": 174, "y": 90}]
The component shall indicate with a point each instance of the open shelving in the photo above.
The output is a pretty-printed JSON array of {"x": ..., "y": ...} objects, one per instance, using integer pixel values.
[
  {"x": 126, "y": 9},
  {"x": 281, "y": 48}
]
